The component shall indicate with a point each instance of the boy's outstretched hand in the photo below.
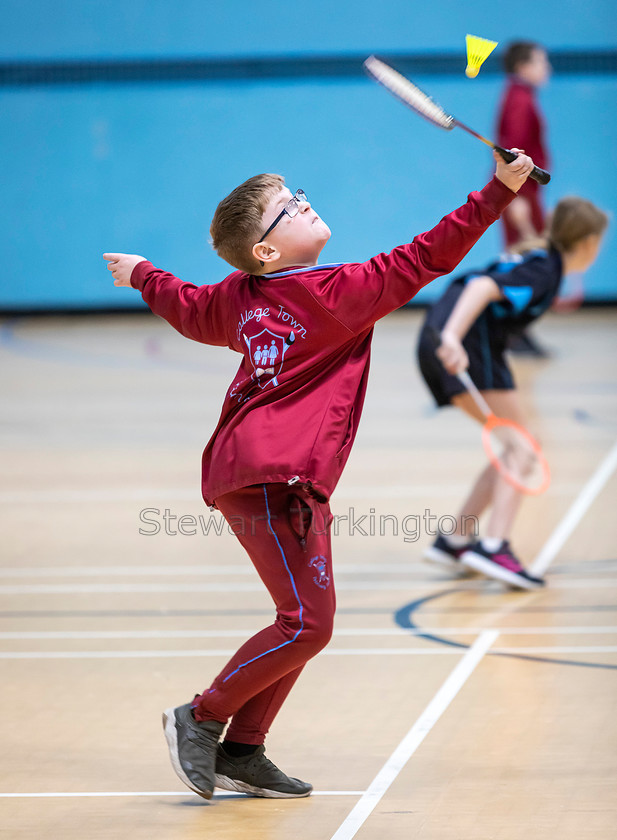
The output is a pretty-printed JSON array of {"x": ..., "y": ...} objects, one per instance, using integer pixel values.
[
  {"x": 121, "y": 267},
  {"x": 514, "y": 174}
]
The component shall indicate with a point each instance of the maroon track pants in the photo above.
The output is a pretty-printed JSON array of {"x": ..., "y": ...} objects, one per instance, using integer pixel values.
[{"x": 287, "y": 536}]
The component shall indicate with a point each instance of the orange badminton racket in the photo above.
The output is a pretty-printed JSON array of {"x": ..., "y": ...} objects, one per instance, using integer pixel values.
[{"x": 511, "y": 449}]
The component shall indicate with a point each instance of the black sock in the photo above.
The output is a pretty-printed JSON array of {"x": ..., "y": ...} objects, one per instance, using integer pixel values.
[{"x": 238, "y": 750}]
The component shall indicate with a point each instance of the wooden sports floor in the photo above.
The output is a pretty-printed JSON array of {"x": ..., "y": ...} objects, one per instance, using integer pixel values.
[{"x": 443, "y": 709}]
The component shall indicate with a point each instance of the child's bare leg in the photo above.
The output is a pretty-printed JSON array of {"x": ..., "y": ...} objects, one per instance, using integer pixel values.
[
  {"x": 506, "y": 502},
  {"x": 476, "y": 502},
  {"x": 491, "y": 489},
  {"x": 492, "y": 556}
]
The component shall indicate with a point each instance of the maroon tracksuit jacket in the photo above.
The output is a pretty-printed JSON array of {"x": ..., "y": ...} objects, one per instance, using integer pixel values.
[{"x": 304, "y": 334}]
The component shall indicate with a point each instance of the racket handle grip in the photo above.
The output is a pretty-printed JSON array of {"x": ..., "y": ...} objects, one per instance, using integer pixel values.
[{"x": 539, "y": 175}]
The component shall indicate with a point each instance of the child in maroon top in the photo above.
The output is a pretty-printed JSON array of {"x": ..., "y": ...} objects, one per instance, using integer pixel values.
[
  {"x": 521, "y": 124},
  {"x": 286, "y": 429}
]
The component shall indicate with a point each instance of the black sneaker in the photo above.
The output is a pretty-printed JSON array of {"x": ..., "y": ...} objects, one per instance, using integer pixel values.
[
  {"x": 442, "y": 553},
  {"x": 257, "y": 775},
  {"x": 192, "y": 748},
  {"x": 501, "y": 565}
]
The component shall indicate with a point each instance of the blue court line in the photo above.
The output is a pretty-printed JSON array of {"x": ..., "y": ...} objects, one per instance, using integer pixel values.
[
  {"x": 293, "y": 583},
  {"x": 404, "y": 618}
]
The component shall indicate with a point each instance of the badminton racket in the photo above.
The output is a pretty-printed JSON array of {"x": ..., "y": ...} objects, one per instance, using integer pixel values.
[
  {"x": 511, "y": 449},
  {"x": 411, "y": 95}
]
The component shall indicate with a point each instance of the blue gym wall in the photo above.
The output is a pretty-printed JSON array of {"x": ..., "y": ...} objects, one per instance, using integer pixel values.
[{"x": 139, "y": 166}]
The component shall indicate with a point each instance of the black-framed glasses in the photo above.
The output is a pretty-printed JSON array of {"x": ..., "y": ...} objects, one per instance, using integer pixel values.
[{"x": 290, "y": 209}]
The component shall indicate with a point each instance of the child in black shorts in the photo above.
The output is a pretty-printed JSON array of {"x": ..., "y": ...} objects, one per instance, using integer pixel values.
[{"x": 475, "y": 317}]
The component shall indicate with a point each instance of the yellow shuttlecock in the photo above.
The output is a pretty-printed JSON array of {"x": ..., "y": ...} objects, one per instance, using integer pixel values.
[{"x": 478, "y": 50}]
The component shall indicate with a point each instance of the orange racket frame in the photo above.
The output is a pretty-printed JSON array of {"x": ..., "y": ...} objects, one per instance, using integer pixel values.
[{"x": 492, "y": 422}]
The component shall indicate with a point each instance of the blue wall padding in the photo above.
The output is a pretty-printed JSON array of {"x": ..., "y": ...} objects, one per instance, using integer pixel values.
[{"x": 140, "y": 167}]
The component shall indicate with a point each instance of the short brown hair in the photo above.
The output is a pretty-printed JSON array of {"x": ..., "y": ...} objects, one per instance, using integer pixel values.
[
  {"x": 574, "y": 219},
  {"x": 237, "y": 223},
  {"x": 519, "y": 52}
]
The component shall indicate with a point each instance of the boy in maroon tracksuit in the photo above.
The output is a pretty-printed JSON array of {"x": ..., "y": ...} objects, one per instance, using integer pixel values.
[{"x": 286, "y": 430}]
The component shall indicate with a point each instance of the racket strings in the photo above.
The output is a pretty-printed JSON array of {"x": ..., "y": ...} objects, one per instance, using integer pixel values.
[
  {"x": 516, "y": 457},
  {"x": 408, "y": 93}
]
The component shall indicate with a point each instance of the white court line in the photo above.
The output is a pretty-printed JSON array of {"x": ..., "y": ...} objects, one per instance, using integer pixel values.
[
  {"x": 191, "y": 494},
  {"x": 582, "y": 583},
  {"x": 370, "y": 492},
  {"x": 354, "y": 632},
  {"x": 231, "y": 570},
  {"x": 574, "y": 515},
  {"x": 104, "y": 793},
  {"x": 173, "y": 654},
  {"x": 110, "y": 494},
  {"x": 126, "y": 571},
  {"x": 558, "y": 649},
  {"x": 410, "y": 567},
  {"x": 178, "y": 654},
  {"x": 144, "y": 588},
  {"x": 415, "y": 736},
  {"x": 389, "y": 585}
]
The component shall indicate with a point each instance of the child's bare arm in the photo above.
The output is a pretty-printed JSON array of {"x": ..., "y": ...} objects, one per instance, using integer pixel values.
[{"x": 476, "y": 296}]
